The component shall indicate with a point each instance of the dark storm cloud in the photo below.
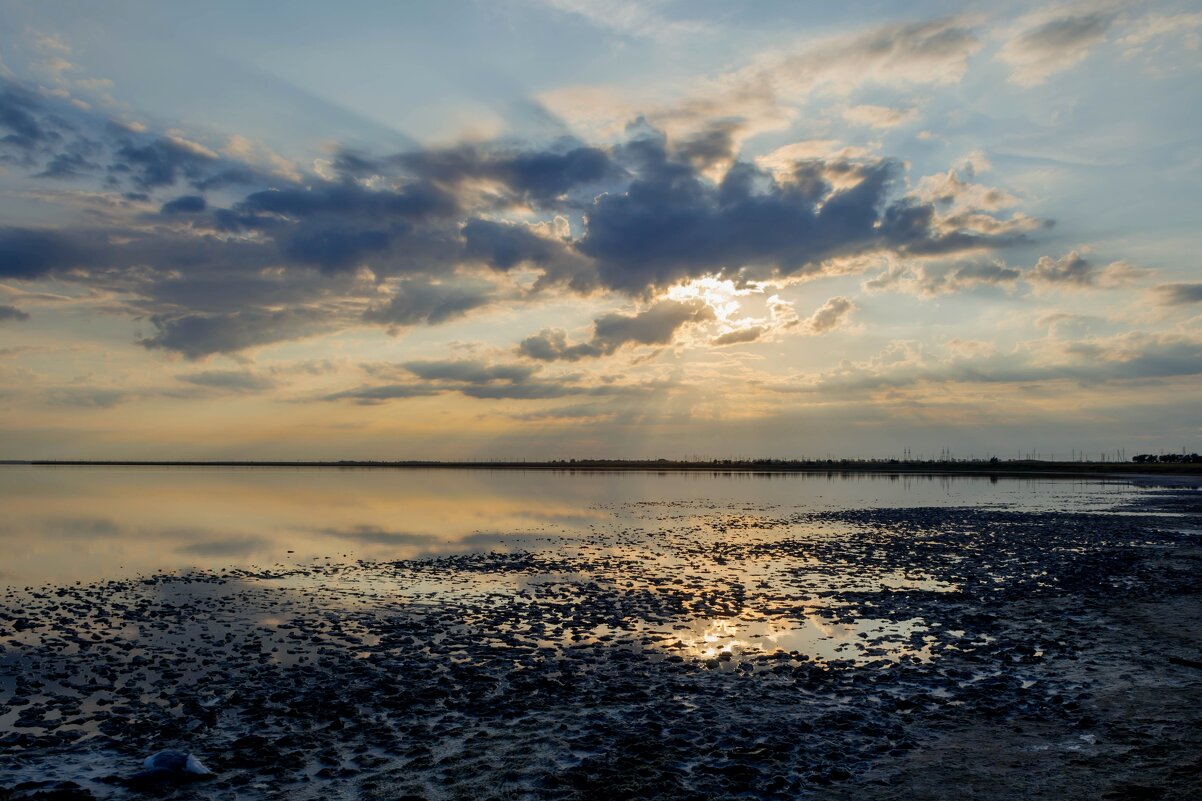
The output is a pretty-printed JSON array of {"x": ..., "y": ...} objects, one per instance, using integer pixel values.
[
  {"x": 672, "y": 224},
  {"x": 504, "y": 245},
  {"x": 547, "y": 175},
  {"x": 75, "y": 142},
  {"x": 1179, "y": 294},
  {"x": 68, "y": 165},
  {"x": 709, "y": 147},
  {"x": 654, "y": 326},
  {"x": 12, "y": 313},
  {"x": 340, "y": 226},
  {"x": 124, "y": 257},
  {"x": 334, "y": 248},
  {"x": 159, "y": 163},
  {"x": 186, "y": 204},
  {"x": 541, "y": 176},
  {"x": 18, "y": 121},
  {"x": 419, "y": 200},
  {"x": 28, "y": 254},
  {"x": 229, "y": 176}
]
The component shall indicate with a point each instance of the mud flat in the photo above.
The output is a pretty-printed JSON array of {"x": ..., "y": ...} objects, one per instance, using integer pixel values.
[{"x": 682, "y": 651}]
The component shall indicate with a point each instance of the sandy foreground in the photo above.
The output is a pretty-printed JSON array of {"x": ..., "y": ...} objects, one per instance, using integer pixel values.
[{"x": 717, "y": 652}]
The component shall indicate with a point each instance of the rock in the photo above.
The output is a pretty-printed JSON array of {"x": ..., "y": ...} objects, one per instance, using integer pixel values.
[{"x": 169, "y": 767}]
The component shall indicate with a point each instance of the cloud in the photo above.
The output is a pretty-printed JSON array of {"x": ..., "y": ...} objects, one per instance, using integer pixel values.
[
  {"x": 937, "y": 279},
  {"x": 474, "y": 378},
  {"x": 380, "y": 393},
  {"x": 243, "y": 258},
  {"x": 507, "y": 245},
  {"x": 70, "y": 164},
  {"x": 767, "y": 93},
  {"x": 1071, "y": 271},
  {"x": 542, "y": 176},
  {"x": 1053, "y": 45},
  {"x": 86, "y": 397},
  {"x": 1133, "y": 356},
  {"x": 1178, "y": 294},
  {"x": 829, "y": 316},
  {"x": 740, "y": 336},
  {"x": 18, "y": 121},
  {"x": 1163, "y": 35},
  {"x": 230, "y": 380},
  {"x": 878, "y": 116},
  {"x": 1075, "y": 271},
  {"x": 338, "y": 227},
  {"x": 199, "y": 335},
  {"x": 468, "y": 371},
  {"x": 672, "y": 224},
  {"x": 28, "y": 254},
  {"x": 418, "y": 301},
  {"x": 656, "y": 325},
  {"x": 951, "y": 190},
  {"x": 575, "y": 412},
  {"x": 1066, "y": 324},
  {"x": 161, "y": 162},
  {"x": 11, "y": 314},
  {"x": 185, "y": 204}
]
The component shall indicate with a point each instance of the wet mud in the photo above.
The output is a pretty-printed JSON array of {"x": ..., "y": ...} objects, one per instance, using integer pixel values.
[{"x": 679, "y": 651}]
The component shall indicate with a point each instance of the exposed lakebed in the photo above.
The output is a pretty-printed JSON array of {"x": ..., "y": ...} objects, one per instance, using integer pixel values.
[{"x": 681, "y": 648}]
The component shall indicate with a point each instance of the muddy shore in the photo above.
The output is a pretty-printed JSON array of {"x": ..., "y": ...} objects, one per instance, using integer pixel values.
[{"x": 716, "y": 652}]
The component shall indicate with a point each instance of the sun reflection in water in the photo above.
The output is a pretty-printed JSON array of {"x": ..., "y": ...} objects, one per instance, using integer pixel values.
[{"x": 814, "y": 637}]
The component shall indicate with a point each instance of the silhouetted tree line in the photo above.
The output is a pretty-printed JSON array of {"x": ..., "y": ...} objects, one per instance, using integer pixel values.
[{"x": 1167, "y": 458}]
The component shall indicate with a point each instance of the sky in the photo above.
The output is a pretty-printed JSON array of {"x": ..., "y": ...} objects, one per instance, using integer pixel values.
[{"x": 528, "y": 229}]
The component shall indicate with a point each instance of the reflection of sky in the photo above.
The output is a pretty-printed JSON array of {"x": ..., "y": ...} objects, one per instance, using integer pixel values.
[
  {"x": 80, "y": 524},
  {"x": 813, "y": 636}
]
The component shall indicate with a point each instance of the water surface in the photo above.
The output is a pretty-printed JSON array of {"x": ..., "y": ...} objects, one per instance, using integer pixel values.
[{"x": 66, "y": 524}]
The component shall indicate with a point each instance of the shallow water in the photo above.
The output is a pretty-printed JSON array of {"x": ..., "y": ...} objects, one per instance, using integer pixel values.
[
  {"x": 349, "y": 633},
  {"x": 65, "y": 524}
]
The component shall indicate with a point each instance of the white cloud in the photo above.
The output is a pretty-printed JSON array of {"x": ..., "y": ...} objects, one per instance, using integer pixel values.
[{"x": 879, "y": 116}]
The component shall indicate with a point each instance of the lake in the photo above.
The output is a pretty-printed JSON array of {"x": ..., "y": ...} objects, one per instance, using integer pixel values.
[
  {"x": 455, "y": 634},
  {"x": 66, "y": 524}
]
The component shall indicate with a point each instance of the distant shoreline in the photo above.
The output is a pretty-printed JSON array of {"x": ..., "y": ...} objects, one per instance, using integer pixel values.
[{"x": 967, "y": 468}]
